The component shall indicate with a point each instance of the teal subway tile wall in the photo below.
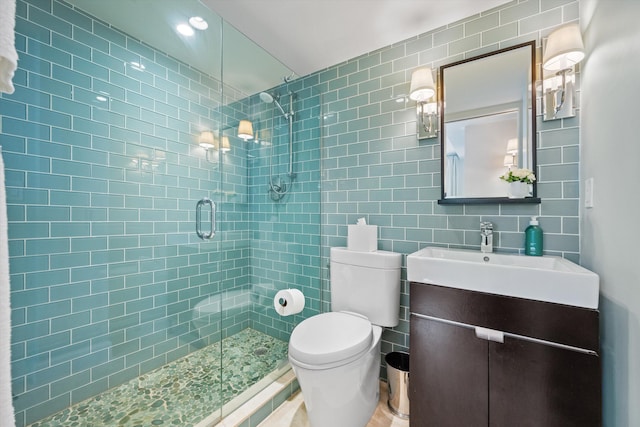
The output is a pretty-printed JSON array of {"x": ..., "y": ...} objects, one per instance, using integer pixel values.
[
  {"x": 104, "y": 260},
  {"x": 103, "y": 173},
  {"x": 285, "y": 227},
  {"x": 374, "y": 167}
]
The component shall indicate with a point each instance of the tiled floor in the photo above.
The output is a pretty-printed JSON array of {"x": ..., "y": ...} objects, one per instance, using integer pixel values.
[
  {"x": 292, "y": 413},
  {"x": 184, "y": 391}
]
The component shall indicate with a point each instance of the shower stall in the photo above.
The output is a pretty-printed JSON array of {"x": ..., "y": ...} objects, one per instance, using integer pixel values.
[{"x": 121, "y": 313}]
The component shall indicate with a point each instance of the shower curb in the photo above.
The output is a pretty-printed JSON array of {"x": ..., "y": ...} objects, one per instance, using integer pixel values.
[{"x": 253, "y": 412}]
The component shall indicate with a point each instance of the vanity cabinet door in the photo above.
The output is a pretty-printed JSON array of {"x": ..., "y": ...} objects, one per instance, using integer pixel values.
[
  {"x": 535, "y": 384},
  {"x": 449, "y": 375},
  {"x": 460, "y": 380}
]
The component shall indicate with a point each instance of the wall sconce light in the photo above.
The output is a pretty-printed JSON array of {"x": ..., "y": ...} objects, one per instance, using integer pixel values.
[
  {"x": 423, "y": 91},
  {"x": 564, "y": 49},
  {"x": 511, "y": 158},
  {"x": 225, "y": 146},
  {"x": 207, "y": 141},
  {"x": 245, "y": 130}
]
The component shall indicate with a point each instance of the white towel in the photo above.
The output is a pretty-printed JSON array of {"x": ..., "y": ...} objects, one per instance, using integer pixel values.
[
  {"x": 8, "y": 54},
  {"x": 6, "y": 403}
]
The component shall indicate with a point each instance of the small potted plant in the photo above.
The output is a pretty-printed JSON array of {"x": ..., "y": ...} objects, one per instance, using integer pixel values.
[{"x": 519, "y": 182}]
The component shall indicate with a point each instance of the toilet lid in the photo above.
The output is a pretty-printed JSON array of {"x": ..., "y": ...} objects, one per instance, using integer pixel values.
[{"x": 330, "y": 337}]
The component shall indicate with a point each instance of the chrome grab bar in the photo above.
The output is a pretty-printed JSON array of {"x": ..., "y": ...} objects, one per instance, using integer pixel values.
[{"x": 212, "y": 219}]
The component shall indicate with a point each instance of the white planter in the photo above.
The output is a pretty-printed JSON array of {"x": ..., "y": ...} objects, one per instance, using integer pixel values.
[{"x": 518, "y": 190}]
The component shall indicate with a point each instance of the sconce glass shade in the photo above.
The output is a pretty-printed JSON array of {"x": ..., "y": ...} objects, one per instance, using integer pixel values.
[
  {"x": 422, "y": 86},
  {"x": 564, "y": 48},
  {"x": 430, "y": 107},
  {"x": 512, "y": 146},
  {"x": 206, "y": 140},
  {"x": 245, "y": 130},
  {"x": 226, "y": 146},
  {"x": 509, "y": 160}
]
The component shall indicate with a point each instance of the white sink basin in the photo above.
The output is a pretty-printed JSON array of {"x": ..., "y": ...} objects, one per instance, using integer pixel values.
[{"x": 546, "y": 278}]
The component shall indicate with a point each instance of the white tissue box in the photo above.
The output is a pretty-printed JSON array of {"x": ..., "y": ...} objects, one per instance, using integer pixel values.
[{"x": 362, "y": 238}]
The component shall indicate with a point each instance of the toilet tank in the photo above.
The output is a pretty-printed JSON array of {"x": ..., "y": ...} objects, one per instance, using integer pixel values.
[{"x": 367, "y": 283}]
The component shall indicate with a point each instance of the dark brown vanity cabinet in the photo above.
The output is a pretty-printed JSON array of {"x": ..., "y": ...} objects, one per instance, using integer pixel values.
[{"x": 545, "y": 372}]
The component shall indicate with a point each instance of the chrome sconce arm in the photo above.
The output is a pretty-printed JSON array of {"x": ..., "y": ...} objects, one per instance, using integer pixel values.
[
  {"x": 563, "y": 51},
  {"x": 562, "y": 90},
  {"x": 427, "y": 119},
  {"x": 559, "y": 95}
]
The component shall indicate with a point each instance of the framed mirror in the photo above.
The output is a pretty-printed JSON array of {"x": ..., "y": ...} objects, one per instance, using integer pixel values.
[{"x": 488, "y": 125}]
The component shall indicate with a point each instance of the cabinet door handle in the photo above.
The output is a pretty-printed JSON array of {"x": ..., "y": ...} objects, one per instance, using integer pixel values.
[
  {"x": 498, "y": 336},
  {"x": 489, "y": 334}
]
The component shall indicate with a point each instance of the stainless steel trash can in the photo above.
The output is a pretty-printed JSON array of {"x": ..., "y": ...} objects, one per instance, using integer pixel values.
[{"x": 398, "y": 381}]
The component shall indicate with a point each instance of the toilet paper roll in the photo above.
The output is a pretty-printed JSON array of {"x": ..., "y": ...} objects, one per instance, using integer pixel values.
[{"x": 288, "y": 302}]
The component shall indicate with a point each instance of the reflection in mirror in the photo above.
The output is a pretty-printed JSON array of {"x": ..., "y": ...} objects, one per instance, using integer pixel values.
[
  {"x": 491, "y": 142},
  {"x": 488, "y": 124}
]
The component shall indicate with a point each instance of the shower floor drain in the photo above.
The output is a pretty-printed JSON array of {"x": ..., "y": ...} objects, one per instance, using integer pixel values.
[{"x": 260, "y": 351}]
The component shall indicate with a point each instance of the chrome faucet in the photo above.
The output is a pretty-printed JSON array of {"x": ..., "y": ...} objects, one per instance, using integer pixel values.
[{"x": 486, "y": 237}]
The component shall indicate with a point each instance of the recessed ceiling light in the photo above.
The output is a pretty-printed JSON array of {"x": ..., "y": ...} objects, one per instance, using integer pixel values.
[
  {"x": 198, "y": 23},
  {"x": 185, "y": 30}
]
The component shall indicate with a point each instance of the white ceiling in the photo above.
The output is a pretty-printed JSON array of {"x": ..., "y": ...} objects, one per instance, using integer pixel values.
[
  {"x": 282, "y": 36},
  {"x": 310, "y": 35}
]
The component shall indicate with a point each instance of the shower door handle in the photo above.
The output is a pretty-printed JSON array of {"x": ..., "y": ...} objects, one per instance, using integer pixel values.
[{"x": 212, "y": 219}]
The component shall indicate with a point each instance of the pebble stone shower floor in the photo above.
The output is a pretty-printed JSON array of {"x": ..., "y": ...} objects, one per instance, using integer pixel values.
[{"x": 183, "y": 392}]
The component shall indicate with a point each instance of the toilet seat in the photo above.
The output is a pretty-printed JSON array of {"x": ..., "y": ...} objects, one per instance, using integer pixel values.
[{"x": 328, "y": 338}]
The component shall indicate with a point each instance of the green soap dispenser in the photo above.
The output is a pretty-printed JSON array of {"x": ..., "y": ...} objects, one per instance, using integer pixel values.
[{"x": 533, "y": 238}]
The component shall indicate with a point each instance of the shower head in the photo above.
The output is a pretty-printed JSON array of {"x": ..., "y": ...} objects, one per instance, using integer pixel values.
[
  {"x": 269, "y": 99},
  {"x": 266, "y": 97}
]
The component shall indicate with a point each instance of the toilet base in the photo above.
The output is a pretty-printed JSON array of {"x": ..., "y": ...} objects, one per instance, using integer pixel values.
[{"x": 345, "y": 395}]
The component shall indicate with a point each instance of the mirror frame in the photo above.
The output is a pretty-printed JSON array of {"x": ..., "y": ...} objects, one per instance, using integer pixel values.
[{"x": 533, "y": 137}]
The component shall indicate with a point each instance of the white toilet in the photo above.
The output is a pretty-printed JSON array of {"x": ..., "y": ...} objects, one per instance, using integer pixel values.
[{"x": 336, "y": 355}]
